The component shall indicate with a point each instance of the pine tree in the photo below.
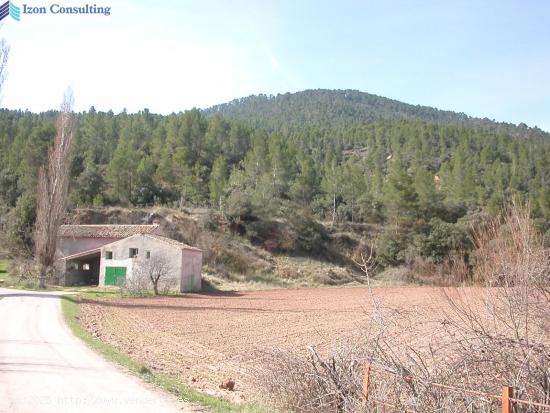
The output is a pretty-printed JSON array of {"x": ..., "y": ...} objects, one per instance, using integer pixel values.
[
  {"x": 305, "y": 186},
  {"x": 218, "y": 181},
  {"x": 400, "y": 197},
  {"x": 429, "y": 199}
]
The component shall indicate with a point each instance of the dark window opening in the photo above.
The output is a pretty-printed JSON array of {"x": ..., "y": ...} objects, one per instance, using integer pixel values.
[
  {"x": 133, "y": 252},
  {"x": 108, "y": 255},
  {"x": 148, "y": 254}
]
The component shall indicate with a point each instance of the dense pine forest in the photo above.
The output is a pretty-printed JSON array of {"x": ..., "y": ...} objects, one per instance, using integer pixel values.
[{"x": 340, "y": 157}]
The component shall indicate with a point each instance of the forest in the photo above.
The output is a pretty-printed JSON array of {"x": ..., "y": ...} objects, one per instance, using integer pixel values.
[{"x": 338, "y": 157}]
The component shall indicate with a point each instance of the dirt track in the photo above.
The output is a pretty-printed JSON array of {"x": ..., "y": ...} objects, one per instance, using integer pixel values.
[{"x": 205, "y": 339}]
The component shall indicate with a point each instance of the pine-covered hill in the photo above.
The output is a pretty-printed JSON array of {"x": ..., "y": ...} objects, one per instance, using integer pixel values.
[
  {"x": 292, "y": 175},
  {"x": 334, "y": 108}
]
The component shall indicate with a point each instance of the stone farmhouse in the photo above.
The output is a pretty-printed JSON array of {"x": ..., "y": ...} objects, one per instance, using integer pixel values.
[{"x": 110, "y": 254}]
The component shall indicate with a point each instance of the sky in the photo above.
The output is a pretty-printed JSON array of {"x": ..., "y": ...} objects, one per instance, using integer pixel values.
[{"x": 484, "y": 58}]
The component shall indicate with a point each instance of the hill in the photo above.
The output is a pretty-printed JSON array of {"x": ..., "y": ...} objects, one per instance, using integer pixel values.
[
  {"x": 333, "y": 108},
  {"x": 287, "y": 174}
]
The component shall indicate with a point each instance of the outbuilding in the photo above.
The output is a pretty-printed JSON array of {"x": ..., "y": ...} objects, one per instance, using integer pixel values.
[{"x": 113, "y": 254}]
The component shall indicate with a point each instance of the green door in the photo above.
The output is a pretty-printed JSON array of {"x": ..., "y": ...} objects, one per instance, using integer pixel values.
[{"x": 115, "y": 275}]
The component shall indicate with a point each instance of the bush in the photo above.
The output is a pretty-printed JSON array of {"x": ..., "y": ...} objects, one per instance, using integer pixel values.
[
  {"x": 25, "y": 272},
  {"x": 239, "y": 208},
  {"x": 442, "y": 239},
  {"x": 546, "y": 239},
  {"x": 390, "y": 247},
  {"x": 138, "y": 285},
  {"x": 210, "y": 221},
  {"x": 225, "y": 256},
  {"x": 20, "y": 225},
  {"x": 311, "y": 384},
  {"x": 311, "y": 237}
]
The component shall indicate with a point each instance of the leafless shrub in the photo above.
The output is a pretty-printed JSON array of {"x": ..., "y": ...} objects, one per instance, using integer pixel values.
[
  {"x": 451, "y": 271},
  {"x": 493, "y": 336},
  {"x": 308, "y": 383},
  {"x": 504, "y": 339},
  {"x": 224, "y": 255},
  {"x": 167, "y": 284},
  {"x": 138, "y": 284},
  {"x": 510, "y": 252},
  {"x": 23, "y": 271},
  {"x": 23, "y": 268}
]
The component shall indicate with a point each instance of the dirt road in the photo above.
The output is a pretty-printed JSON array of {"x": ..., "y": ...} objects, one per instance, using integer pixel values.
[{"x": 44, "y": 368}]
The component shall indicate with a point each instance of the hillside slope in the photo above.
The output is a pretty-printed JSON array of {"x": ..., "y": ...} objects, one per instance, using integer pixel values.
[
  {"x": 232, "y": 261},
  {"x": 329, "y": 108}
]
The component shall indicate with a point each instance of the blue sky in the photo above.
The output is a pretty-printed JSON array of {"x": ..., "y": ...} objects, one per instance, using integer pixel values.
[{"x": 484, "y": 58}]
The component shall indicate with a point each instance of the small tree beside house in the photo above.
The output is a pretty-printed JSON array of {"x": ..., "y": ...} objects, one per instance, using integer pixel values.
[{"x": 154, "y": 271}]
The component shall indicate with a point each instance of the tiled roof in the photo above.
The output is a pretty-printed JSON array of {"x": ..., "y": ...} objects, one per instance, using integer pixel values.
[
  {"x": 173, "y": 242},
  {"x": 104, "y": 231}
]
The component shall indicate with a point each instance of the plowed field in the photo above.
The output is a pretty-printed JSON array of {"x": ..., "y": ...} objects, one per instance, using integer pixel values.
[{"x": 208, "y": 338}]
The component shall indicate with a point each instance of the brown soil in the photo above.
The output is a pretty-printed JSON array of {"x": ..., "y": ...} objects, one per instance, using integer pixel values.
[{"x": 208, "y": 339}]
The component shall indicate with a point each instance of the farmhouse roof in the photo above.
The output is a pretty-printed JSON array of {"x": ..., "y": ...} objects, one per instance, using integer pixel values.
[
  {"x": 172, "y": 242},
  {"x": 104, "y": 231}
]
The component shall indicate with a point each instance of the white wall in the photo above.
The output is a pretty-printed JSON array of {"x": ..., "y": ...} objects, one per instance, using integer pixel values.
[
  {"x": 185, "y": 264},
  {"x": 191, "y": 278},
  {"x": 121, "y": 251}
]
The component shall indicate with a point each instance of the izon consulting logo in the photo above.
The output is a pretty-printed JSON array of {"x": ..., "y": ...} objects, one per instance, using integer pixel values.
[{"x": 11, "y": 9}]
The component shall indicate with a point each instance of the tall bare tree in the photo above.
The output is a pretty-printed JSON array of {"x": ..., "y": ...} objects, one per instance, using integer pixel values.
[
  {"x": 53, "y": 186},
  {"x": 4, "y": 53}
]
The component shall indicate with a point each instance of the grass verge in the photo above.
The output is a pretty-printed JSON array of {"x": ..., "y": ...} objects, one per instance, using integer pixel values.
[
  {"x": 4, "y": 276},
  {"x": 71, "y": 310}
]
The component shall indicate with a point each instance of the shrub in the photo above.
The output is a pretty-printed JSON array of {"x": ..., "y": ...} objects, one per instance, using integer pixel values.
[
  {"x": 311, "y": 237},
  {"x": 239, "y": 208},
  {"x": 210, "y": 221},
  {"x": 25, "y": 271},
  {"x": 442, "y": 239},
  {"x": 138, "y": 285},
  {"x": 307, "y": 383},
  {"x": 390, "y": 247},
  {"x": 546, "y": 239}
]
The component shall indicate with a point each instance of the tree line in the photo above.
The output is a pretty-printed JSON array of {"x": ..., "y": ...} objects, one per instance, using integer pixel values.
[{"x": 413, "y": 176}]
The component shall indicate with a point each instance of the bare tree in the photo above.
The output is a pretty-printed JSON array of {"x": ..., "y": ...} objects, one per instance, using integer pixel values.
[
  {"x": 157, "y": 269},
  {"x": 4, "y": 54},
  {"x": 53, "y": 186},
  {"x": 366, "y": 261}
]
